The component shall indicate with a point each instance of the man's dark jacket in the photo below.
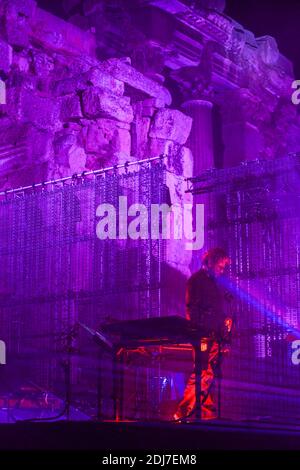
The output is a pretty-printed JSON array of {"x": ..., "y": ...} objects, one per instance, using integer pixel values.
[{"x": 206, "y": 302}]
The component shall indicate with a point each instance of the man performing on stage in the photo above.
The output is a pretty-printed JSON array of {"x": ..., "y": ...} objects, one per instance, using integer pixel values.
[{"x": 206, "y": 305}]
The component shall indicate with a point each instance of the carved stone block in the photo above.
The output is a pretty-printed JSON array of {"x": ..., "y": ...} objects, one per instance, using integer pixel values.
[
  {"x": 171, "y": 124},
  {"x": 97, "y": 103}
]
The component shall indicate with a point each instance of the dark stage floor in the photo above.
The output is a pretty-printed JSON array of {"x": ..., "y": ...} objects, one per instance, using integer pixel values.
[{"x": 62, "y": 435}]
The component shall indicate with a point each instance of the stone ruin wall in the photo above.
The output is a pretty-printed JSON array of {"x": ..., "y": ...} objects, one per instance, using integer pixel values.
[{"x": 67, "y": 112}]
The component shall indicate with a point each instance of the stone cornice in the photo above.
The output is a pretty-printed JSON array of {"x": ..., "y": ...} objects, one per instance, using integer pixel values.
[
  {"x": 215, "y": 26},
  {"x": 122, "y": 70},
  {"x": 240, "y": 54},
  {"x": 56, "y": 34}
]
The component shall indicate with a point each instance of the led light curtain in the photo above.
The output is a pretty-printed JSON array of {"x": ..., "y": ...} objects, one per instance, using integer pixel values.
[
  {"x": 55, "y": 272},
  {"x": 253, "y": 212}
]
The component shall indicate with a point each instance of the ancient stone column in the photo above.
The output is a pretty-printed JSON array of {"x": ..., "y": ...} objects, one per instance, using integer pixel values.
[{"x": 200, "y": 140}]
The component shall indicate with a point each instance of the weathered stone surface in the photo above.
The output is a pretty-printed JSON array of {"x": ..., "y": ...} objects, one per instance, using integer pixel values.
[
  {"x": 18, "y": 15},
  {"x": 73, "y": 127},
  {"x": 121, "y": 141},
  {"x": 43, "y": 64},
  {"x": 101, "y": 79},
  {"x": 62, "y": 145},
  {"x": 21, "y": 62},
  {"x": 120, "y": 158},
  {"x": 77, "y": 159},
  {"x": 70, "y": 108},
  {"x": 106, "y": 139},
  {"x": 70, "y": 85},
  {"x": 25, "y": 105},
  {"x": 126, "y": 73},
  {"x": 39, "y": 144},
  {"x": 162, "y": 147},
  {"x": 17, "y": 36},
  {"x": 145, "y": 108},
  {"x": 18, "y": 82},
  {"x": 140, "y": 130},
  {"x": 268, "y": 49},
  {"x": 150, "y": 105},
  {"x": 285, "y": 64},
  {"x": 181, "y": 162},
  {"x": 171, "y": 124},
  {"x": 94, "y": 161},
  {"x": 23, "y": 8},
  {"x": 2, "y": 93},
  {"x": 82, "y": 65},
  {"x": 123, "y": 125},
  {"x": 109, "y": 125},
  {"x": 98, "y": 103},
  {"x": 69, "y": 154},
  {"x": 95, "y": 139},
  {"x": 5, "y": 56},
  {"x": 42, "y": 111}
]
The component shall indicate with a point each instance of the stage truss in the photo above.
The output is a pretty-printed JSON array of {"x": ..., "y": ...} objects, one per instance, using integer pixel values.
[
  {"x": 56, "y": 272},
  {"x": 253, "y": 212}
]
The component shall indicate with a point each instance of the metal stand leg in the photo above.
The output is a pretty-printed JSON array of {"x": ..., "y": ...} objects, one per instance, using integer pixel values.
[
  {"x": 115, "y": 385},
  {"x": 99, "y": 387},
  {"x": 219, "y": 379},
  {"x": 121, "y": 385},
  {"x": 118, "y": 384}
]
